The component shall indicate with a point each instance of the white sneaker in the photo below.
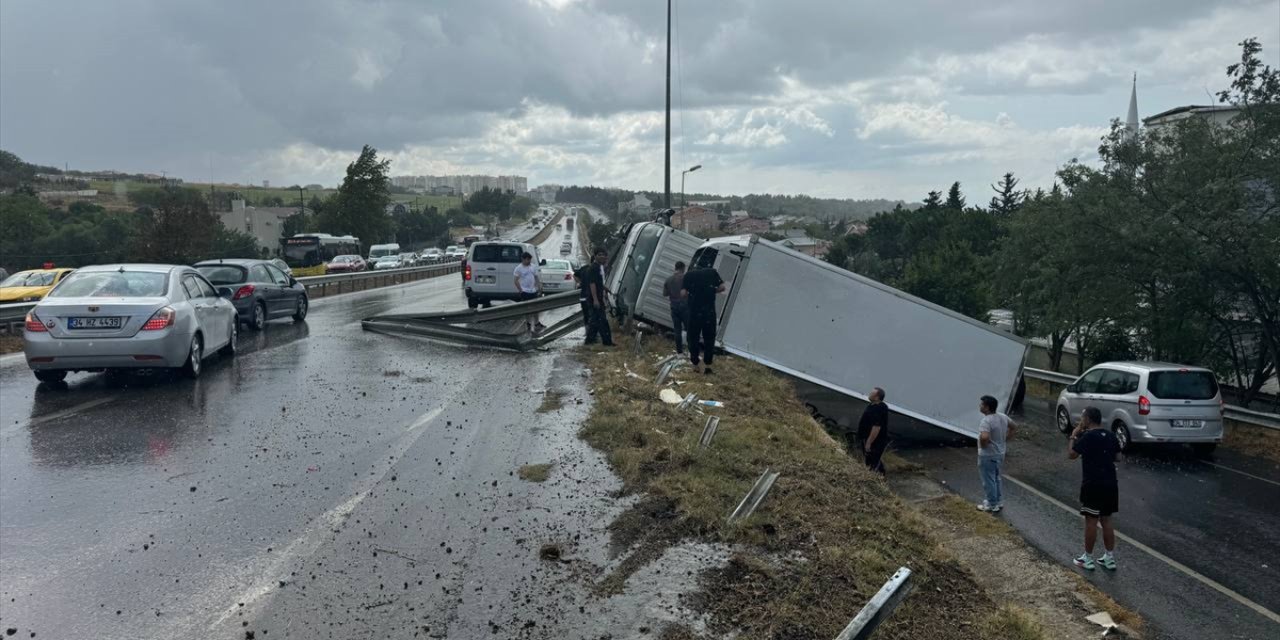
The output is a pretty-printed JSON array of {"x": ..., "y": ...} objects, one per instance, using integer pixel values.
[{"x": 984, "y": 506}]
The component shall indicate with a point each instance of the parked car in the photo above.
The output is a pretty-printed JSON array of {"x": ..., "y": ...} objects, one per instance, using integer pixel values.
[
  {"x": 432, "y": 255},
  {"x": 1145, "y": 402},
  {"x": 410, "y": 259},
  {"x": 566, "y": 248},
  {"x": 454, "y": 252},
  {"x": 345, "y": 264},
  {"x": 556, "y": 276},
  {"x": 387, "y": 262},
  {"x": 282, "y": 265},
  {"x": 487, "y": 271},
  {"x": 129, "y": 316},
  {"x": 260, "y": 290},
  {"x": 29, "y": 286}
]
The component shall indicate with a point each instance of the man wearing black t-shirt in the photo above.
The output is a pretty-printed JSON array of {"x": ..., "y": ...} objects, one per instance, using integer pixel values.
[
  {"x": 1099, "y": 490},
  {"x": 873, "y": 431},
  {"x": 700, "y": 288}
]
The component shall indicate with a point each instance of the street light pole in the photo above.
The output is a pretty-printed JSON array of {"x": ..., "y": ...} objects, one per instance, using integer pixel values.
[
  {"x": 682, "y": 175},
  {"x": 666, "y": 173}
]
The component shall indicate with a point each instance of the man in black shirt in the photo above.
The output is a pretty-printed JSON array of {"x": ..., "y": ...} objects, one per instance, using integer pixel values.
[
  {"x": 1099, "y": 490},
  {"x": 591, "y": 295},
  {"x": 700, "y": 288},
  {"x": 673, "y": 288},
  {"x": 873, "y": 431}
]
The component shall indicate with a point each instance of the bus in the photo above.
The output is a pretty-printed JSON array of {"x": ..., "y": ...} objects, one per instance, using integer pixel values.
[{"x": 312, "y": 249}]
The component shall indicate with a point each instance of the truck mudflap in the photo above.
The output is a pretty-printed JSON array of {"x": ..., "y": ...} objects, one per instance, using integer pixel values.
[{"x": 503, "y": 327}]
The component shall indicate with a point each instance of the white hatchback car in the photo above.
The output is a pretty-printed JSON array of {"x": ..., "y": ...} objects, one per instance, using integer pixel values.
[
  {"x": 129, "y": 316},
  {"x": 1146, "y": 402}
]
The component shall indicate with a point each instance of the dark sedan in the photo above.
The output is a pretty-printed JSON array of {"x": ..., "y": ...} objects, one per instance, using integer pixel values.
[{"x": 260, "y": 291}]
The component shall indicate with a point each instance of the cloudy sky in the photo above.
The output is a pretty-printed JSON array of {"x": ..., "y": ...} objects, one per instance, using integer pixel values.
[{"x": 846, "y": 98}]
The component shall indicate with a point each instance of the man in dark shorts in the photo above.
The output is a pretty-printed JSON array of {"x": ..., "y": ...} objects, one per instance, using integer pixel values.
[
  {"x": 1099, "y": 490},
  {"x": 673, "y": 288},
  {"x": 592, "y": 296},
  {"x": 700, "y": 288}
]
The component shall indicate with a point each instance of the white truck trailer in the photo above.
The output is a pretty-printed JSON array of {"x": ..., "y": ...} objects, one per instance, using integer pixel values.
[{"x": 837, "y": 333}]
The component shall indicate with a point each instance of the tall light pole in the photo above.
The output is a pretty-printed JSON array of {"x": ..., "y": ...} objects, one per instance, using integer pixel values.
[
  {"x": 666, "y": 172},
  {"x": 682, "y": 175}
]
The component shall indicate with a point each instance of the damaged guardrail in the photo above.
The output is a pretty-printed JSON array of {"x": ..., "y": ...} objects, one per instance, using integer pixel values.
[
  {"x": 503, "y": 326},
  {"x": 879, "y": 608}
]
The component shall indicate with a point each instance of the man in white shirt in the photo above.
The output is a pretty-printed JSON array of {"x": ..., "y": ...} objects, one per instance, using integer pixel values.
[
  {"x": 528, "y": 284},
  {"x": 993, "y": 434}
]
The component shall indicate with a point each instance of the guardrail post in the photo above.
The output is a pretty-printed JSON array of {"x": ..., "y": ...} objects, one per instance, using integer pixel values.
[{"x": 879, "y": 608}]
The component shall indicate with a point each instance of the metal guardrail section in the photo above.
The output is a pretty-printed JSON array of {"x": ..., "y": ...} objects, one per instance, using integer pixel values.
[
  {"x": 880, "y": 607},
  {"x": 16, "y": 312},
  {"x": 1230, "y": 412},
  {"x": 468, "y": 326}
]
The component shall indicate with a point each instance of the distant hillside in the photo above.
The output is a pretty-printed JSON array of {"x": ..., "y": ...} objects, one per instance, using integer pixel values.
[{"x": 759, "y": 205}]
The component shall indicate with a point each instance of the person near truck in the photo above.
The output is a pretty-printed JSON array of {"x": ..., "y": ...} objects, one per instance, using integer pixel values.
[
  {"x": 592, "y": 296},
  {"x": 673, "y": 288},
  {"x": 700, "y": 288},
  {"x": 993, "y": 436},
  {"x": 528, "y": 284},
  {"x": 1098, "y": 450},
  {"x": 873, "y": 431}
]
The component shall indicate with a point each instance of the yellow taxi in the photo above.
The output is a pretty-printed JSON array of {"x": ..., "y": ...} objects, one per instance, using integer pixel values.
[{"x": 29, "y": 286}]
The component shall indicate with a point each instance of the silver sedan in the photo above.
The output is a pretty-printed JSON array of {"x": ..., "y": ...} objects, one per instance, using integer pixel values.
[{"x": 129, "y": 316}]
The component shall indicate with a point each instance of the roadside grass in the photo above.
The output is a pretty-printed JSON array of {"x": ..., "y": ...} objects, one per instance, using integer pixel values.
[
  {"x": 1012, "y": 621},
  {"x": 822, "y": 543},
  {"x": 535, "y": 472},
  {"x": 1253, "y": 441},
  {"x": 551, "y": 401},
  {"x": 10, "y": 343},
  {"x": 1102, "y": 601}
]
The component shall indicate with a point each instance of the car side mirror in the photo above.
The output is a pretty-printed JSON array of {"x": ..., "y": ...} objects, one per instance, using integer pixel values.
[
  {"x": 225, "y": 292},
  {"x": 1071, "y": 388},
  {"x": 542, "y": 262}
]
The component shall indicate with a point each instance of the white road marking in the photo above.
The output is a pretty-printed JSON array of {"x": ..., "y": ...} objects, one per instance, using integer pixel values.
[
  {"x": 1192, "y": 573},
  {"x": 58, "y": 415},
  {"x": 316, "y": 531},
  {"x": 1248, "y": 475}
]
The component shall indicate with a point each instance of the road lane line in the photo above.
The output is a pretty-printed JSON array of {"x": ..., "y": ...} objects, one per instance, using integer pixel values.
[
  {"x": 1248, "y": 475},
  {"x": 58, "y": 415},
  {"x": 1192, "y": 573},
  {"x": 426, "y": 417}
]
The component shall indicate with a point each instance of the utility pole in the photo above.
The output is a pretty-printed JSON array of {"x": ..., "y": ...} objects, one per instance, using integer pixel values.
[{"x": 666, "y": 172}]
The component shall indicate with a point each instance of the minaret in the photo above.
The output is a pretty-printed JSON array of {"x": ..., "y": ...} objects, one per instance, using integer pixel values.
[{"x": 1131, "y": 121}]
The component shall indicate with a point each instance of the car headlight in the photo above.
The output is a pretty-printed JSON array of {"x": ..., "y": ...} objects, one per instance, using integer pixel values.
[{"x": 31, "y": 299}]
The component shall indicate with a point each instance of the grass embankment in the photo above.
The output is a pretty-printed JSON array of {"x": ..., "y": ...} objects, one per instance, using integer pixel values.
[
  {"x": 10, "y": 343},
  {"x": 823, "y": 542}
]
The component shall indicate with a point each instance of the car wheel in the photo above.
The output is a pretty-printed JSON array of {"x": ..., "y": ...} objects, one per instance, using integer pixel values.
[
  {"x": 1064, "y": 420},
  {"x": 230, "y": 350},
  {"x": 301, "y": 313},
  {"x": 50, "y": 376},
  {"x": 472, "y": 303},
  {"x": 259, "y": 317},
  {"x": 191, "y": 368},
  {"x": 1122, "y": 435},
  {"x": 487, "y": 304},
  {"x": 1204, "y": 449}
]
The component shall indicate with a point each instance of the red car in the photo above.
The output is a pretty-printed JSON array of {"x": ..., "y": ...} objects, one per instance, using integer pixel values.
[{"x": 345, "y": 264}]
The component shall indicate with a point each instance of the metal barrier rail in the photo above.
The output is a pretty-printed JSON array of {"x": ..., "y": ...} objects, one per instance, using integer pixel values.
[
  {"x": 1230, "y": 411},
  {"x": 15, "y": 313}
]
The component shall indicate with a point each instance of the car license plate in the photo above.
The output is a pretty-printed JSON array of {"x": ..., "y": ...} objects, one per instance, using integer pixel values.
[
  {"x": 1187, "y": 424},
  {"x": 95, "y": 323},
  {"x": 485, "y": 279}
]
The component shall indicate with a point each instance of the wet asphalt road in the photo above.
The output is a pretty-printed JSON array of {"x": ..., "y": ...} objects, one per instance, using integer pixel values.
[
  {"x": 1217, "y": 518},
  {"x": 327, "y": 482}
]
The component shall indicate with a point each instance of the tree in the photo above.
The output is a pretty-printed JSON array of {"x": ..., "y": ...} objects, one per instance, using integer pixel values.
[
  {"x": 175, "y": 225},
  {"x": 416, "y": 228},
  {"x": 299, "y": 222},
  {"x": 359, "y": 206},
  {"x": 24, "y": 221},
  {"x": 232, "y": 243},
  {"x": 955, "y": 199},
  {"x": 598, "y": 234},
  {"x": 1007, "y": 198},
  {"x": 933, "y": 200}
]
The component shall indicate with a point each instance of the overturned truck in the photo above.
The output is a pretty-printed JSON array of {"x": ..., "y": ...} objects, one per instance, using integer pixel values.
[{"x": 836, "y": 333}]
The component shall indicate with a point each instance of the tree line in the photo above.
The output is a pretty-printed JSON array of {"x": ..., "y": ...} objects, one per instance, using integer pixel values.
[{"x": 1170, "y": 250}]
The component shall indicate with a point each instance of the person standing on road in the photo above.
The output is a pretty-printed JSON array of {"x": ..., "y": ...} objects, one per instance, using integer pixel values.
[
  {"x": 993, "y": 435},
  {"x": 700, "y": 288},
  {"x": 593, "y": 278},
  {"x": 873, "y": 431},
  {"x": 1099, "y": 490},
  {"x": 528, "y": 284},
  {"x": 673, "y": 288}
]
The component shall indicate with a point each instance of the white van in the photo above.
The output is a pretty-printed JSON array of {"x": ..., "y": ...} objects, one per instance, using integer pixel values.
[
  {"x": 381, "y": 250},
  {"x": 487, "y": 271}
]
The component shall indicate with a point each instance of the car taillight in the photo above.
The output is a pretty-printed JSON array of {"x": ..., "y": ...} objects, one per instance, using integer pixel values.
[
  {"x": 243, "y": 292},
  {"x": 568, "y": 276},
  {"x": 466, "y": 270},
  {"x": 1144, "y": 406},
  {"x": 162, "y": 319},
  {"x": 33, "y": 323}
]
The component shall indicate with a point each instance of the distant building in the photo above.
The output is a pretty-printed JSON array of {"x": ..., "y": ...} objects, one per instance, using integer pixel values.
[
  {"x": 738, "y": 215},
  {"x": 266, "y": 184},
  {"x": 314, "y": 187},
  {"x": 462, "y": 184},
  {"x": 748, "y": 225},
  {"x": 265, "y": 224},
  {"x": 546, "y": 193},
  {"x": 442, "y": 190},
  {"x": 1217, "y": 114},
  {"x": 808, "y": 246},
  {"x": 695, "y": 220},
  {"x": 640, "y": 206}
]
